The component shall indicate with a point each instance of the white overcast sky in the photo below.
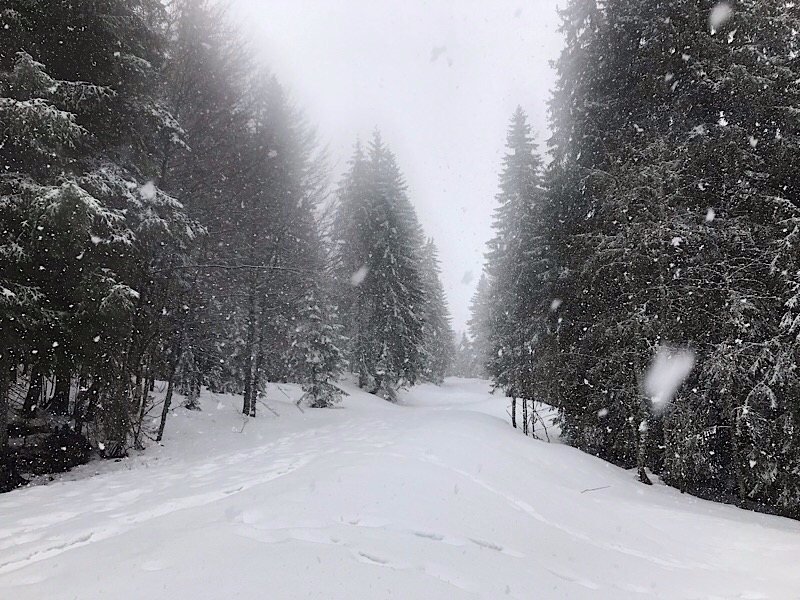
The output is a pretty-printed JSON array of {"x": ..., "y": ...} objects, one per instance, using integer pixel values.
[{"x": 439, "y": 78}]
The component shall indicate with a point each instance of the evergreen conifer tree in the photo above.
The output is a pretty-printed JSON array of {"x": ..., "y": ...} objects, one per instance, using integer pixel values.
[
  {"x": 438, "y": 333},
  {"x": 517, "y": 263},
  {"x": 479, "y": 325},
  {"x": 378, "y": 245},
  {"x": 669, "y": 205},
  {"x": 89, "y": 227}
]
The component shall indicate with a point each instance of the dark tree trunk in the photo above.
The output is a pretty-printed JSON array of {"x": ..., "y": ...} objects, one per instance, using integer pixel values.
[
  {"x": 4, "y": 388},
  {"x": 173, "y": 372},
  {"x": 34, "y": 396},
  {"x": 525, "y": 416},
  {"x": 247, "y": 406},
  {"x": 642, "y": 437},
  {"x": 738, "y": 459},
  {"x": 248, "y": 384},
  {"x": 167, "y": 404},
  {"x": 59, "y": 404},
  {"x": 514, "y": 412},
  {"x": 85, "y": 404},
  {"x": 192, "y": 381},
  {"x": 144, "y": 404},
  {"x": 255, "y": 385},
  {"x": 9, "y": 477}
]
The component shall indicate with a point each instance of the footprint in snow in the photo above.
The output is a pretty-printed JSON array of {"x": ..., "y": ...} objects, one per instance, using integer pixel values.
[
  {"x": 372, "y": 559},
  {"x": 496, "y": 547},
  {"x": 153, "y": 565},
  {"x": 244, "y": 516},
  {"x": 429, "y": 535}
]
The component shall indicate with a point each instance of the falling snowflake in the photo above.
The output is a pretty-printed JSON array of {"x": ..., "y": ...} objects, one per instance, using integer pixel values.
[
  {"x": 436, "y": 52},
  {"x": 148, "y": 191},
  {"x": 357, "y": 278},
  {"x": 669, "y": 370},
  {"x": 720, "y": 14}
]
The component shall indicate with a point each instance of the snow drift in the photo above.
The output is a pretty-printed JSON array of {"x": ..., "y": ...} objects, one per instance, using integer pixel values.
[{"x": 435, "y": 498}]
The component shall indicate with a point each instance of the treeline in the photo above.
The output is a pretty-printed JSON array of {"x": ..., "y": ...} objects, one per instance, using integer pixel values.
[
  {"x": 165, "y": 214},
  {"x": 668, "y": 217}
]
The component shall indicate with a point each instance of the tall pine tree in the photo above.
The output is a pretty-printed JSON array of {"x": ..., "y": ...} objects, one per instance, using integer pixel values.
[
  {"x": 438, "y": 333},
  {"x": 670, "y": 206},
  {"x": 517, "y": 265},
  {"x": 88, "y": 227},
  {"x": 378, "y": 245}
]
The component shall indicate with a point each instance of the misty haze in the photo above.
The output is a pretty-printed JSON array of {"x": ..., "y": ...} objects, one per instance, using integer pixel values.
[{"x": 419, "y": 299}]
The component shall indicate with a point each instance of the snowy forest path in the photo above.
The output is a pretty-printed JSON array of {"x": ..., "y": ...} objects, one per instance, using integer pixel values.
[{"x": 434, "y": 498}]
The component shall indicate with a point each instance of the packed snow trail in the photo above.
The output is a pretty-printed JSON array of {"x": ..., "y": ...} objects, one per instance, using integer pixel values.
[{"x": 437, "y": 498}]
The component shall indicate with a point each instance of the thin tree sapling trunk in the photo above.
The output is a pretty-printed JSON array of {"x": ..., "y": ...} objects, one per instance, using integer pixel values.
[
  {"x": 59, "y": 404},
  {"x": 525, "y": 416},
  {"x": 34, "y": 395},
  {"x": 167, "y": 403}
]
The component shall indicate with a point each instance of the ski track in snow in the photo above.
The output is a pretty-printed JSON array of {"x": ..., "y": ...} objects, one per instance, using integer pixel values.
[{"x": 437, "y": 498}]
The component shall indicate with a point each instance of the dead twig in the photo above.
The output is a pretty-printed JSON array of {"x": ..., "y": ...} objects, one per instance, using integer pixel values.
[
  {"x": 541, "y": 420},
  {"x": 268, "y": 407},
  {"x": 605, "y": 487},
  {"x": 296, "y": 403}
]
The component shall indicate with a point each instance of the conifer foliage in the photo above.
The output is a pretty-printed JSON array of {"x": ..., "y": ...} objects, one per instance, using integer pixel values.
[
  {"x": 481, "y": 309},
  {"x": 669, "y": 221},
  {"x": 83, "y": 224},
  {"x": 516, "y": 266},
  {"x": 438, "y": 335},
  {"x": 379, "y": 260},
  {"x": 161, "y": 219}
]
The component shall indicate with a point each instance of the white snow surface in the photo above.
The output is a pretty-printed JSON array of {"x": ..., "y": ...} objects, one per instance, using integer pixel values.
[{"x": 435, "y": 498}]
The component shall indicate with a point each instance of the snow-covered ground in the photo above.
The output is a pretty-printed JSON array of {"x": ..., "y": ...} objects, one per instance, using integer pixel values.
[{"x": 435, "y": 498}]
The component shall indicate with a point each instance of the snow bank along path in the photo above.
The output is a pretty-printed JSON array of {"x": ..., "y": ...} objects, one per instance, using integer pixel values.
[{"x": 435, "y": 498}]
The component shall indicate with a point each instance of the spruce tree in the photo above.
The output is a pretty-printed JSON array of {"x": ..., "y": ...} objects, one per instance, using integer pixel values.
[
  {"x": 517, "y": 265},
  {"x": 481, "y": 309},
  {"x": 438, "y": 333},
  {"x": 465, "y": 360},
  {"x": 377, "y": 240},
  {"x": 279, "y": 262},
  {"x": 96, "y": 226},
  {"x": 318, "y": 346},
  {"x": 205, "y": 87},
  {"x": 670, "y": 202}
]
